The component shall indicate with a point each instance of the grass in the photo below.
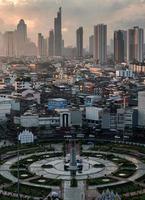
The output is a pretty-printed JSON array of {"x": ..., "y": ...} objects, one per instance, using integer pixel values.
[
  {"x": 127, "y": 173},
  {"x": 51, "y": 182},
  {"x": 7, "y": 198},
  {"x": 99, "y": 181},
  {"x": 137, "y": 197},
  {"x": 15, "y": 173},
  {"x": 141, "y": 179},
  {"x": 4, "y": 180},
  {"x": 29, "y": 190}
]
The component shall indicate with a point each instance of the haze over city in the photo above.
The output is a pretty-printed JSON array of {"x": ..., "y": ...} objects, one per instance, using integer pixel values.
[
  {"x": 72, "y": 99},
  {"x": 39, "y": 15}
]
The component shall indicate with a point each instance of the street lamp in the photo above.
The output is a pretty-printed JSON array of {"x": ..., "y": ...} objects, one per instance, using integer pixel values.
[{"x": 18, "y": 166}]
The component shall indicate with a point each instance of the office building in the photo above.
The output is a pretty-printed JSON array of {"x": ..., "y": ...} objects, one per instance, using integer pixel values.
[
  {"x": 100, "y": 44},
  {"x": 135, "y": 43},
  {"x": 21, "y": 35},
  {"x": 91, "y": 45},
  {"x": 51, "y": 43},
  {"x": 42, "y": 46},
  {"x": 141, "y": 109},
  {"x": 9, "y": 44},
  {"x": 58, "y": 34},
  {"x": 79, "y": 42},
  {"x": 119, "y": 46}
]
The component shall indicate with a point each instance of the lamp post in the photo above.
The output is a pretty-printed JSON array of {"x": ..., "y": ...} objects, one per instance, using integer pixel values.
[{"x": 18, "y": 166}]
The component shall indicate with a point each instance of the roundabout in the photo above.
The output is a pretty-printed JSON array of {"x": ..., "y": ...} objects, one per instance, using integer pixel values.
[
  {"x": 57, "y": 171},
  {"x": 93, "y": 167},
  {"x": 44, "y": 170}
]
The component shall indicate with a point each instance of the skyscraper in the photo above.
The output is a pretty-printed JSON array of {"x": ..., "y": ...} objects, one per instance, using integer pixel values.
[
  {"x": 100, "y": 44},
  {"x": 58, "y": 34},
  {"x": 79, "y": 42},
  {"x": 9, "y": 44},
  {"x": 135, "y": 42},
  {"x": 51, "y": 43},
  {"x": 21, "y": 34},
  {"x": 42, "y": 46},
  {"x": 91, "y": 44},
  {"x": 141, "y": 108},
  {"x": 119, "y": 46}
]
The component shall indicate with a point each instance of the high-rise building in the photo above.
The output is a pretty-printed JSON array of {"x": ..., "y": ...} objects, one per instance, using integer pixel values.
[
  {"x": 100, "y": 44},
  {"x": 51, "y": 43},
  {"x": 42, "y": 46},
  {"x": 62, "y": 47},
  {"x": 31, "y": 49},
  {"x": 21, "y": 35},
  {"x": 9, "y": 44},
  {"x": 91, "y": 45},
  {"x": 79, "y": 42},
  {"x": 1, "y": 44},
  {"x": 119, "y": 46},
  {"x": 58, "y": 34},
  {"x": 135, "y": 44},
  {"x": 141, "y": 108}
]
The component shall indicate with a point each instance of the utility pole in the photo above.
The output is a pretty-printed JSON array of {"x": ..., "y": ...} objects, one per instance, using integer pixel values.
[{"x": 18, "y": 164}]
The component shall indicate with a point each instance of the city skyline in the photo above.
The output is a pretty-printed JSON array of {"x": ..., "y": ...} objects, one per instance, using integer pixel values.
[{"x": 75, "y": 14}]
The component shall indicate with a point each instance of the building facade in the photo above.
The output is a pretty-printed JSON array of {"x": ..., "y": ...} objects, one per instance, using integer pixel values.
[
  {"x": 119, "y": 46},
  {"x": 100, "y": 44},
  {"x": 79, "y": 42},
  {"x": 58, "y": 34},
  {"x": 135, "y": 44},
  {"x": 51, "y": 43}
]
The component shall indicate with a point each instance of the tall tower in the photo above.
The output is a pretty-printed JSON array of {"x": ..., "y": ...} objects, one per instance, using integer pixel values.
[
  {"x": 74, "y": 189},
  {"x": 42, "y": 46},
  {"x": 9, "y": 43},
  {"x": 119, "y": 46},
  {"x": 100, "y": 44},
  {"x": 91, "y": 44},
  {"x": 58, "y": 34},
  {"x": 135, "y": 43},
  {"x": 79, "y": 42},
  {"x": 21, "y": 33},
  {"x": 51, "y": 43},
  {"x": 141, "y": 108}
]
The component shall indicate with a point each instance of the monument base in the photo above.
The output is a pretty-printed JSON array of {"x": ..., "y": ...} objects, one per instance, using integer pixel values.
[{"x": 74, "y": 193}]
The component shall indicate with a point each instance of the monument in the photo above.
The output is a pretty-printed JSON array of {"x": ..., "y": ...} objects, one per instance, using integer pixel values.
[{"x": 74, "y": 189}]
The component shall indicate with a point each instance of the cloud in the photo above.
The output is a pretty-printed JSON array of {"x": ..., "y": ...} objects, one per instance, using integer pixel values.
[{"x": 39, "y": 15}]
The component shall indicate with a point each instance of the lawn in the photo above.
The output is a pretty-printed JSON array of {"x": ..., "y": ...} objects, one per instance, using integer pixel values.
[{"x": 30, "y": 190}]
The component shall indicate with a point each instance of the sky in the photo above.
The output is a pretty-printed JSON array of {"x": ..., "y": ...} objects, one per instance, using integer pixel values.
[{"x": 39, "y": 16}]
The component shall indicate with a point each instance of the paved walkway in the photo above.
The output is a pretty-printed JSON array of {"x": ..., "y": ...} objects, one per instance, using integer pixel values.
[
  {"x": 57, "y": 172},
  {"x": 140, "y": 171},
  {"x": 5, "y": 170}
]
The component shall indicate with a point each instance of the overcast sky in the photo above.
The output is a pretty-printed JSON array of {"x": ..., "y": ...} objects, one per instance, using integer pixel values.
[{"x": 39, "y": 15}]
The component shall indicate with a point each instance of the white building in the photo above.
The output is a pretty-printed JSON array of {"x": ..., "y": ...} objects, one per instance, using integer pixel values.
[
  {"x": 22, "y": 84},
  {"x": 31, "y": 95},
  {"x": 90, "y": 100},
  {"x": 64, "y": 118},
  {"x": 6, "y": 105},
  {"x": 93, "y": 116},
  {"x": 26, "y": 137},
  {"x": 125, "y": 73},
  {"x": 29, "y": 120},
  {"x": 93, "y": 113},
  {"x": 109, "y": 195}
]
